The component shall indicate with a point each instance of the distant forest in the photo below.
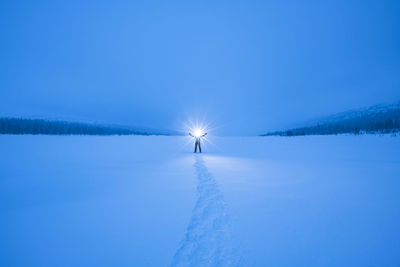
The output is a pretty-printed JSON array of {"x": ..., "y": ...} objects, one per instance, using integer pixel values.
[
  {"x": 41, "y": 126},
  {"x": 376, "y": 123}
]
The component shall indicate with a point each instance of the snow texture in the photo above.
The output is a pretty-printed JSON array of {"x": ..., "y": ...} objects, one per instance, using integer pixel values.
[
  {"x": 207, "y": 239},
  {"x": 149, "y": 201}
]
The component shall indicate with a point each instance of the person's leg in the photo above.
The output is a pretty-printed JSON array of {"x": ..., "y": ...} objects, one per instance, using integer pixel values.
[
  {"x": 199, "y": 147},
  {"x": 195, "y": 147}
]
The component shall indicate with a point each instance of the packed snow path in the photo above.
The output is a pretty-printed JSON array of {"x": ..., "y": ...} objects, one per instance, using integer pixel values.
[{"x": 207, "y": 240}]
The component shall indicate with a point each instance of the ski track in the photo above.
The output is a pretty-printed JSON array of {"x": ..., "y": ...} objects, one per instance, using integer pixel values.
[{"x": 207, "y": 240}]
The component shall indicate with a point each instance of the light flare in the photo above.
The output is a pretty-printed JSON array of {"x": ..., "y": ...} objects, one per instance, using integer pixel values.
[
  {"x": 196, "y": 129},
  {"x": 197, "y": 133}
]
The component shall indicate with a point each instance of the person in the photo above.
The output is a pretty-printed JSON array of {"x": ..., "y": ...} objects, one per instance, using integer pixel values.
[{"x": 197, "y": 136}]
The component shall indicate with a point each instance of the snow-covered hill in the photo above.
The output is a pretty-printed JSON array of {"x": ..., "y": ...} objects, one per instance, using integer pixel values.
[
  {"x": 149, "y": 201},
  {"x": 359, "y": 113},
  {"x": 375, "y": 119}
]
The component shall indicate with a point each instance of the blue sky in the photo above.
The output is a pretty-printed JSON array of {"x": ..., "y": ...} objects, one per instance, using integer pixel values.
[{"x": 245, "y": 66}]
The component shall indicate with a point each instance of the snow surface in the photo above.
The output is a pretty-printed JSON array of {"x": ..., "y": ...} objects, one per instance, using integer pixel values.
[{"x": 246, "y": 201}]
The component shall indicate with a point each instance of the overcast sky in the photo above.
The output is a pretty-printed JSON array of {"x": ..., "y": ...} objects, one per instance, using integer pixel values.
[{"x": 245, "y": 66}]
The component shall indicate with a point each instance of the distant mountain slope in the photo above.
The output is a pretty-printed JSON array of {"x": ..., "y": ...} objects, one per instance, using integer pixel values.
[
  {"x": 59, "y": 127},
  {"x": 374, "y": 119}
]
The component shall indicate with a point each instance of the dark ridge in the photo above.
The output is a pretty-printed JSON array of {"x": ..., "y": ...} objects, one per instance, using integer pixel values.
[
  {"x": 51, "y": 127},
  {"x": 371, "y": 121}
]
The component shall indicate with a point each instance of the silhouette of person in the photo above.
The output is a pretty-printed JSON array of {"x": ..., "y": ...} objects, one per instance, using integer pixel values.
[{"x": 197, "y": 136}]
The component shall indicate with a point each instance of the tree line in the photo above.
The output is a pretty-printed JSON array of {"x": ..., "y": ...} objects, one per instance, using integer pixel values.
[
  {"x": 379, "y": 123},
  {"x": 41, "y": 126}
]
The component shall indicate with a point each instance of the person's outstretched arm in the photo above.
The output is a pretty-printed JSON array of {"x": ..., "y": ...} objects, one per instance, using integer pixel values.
[
  {"x": 191, "y": 134},
  {"x": 204, "y": 135}
]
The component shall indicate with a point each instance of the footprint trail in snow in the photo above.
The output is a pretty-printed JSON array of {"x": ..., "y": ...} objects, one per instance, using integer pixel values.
[{"x": 207, "y": 240}]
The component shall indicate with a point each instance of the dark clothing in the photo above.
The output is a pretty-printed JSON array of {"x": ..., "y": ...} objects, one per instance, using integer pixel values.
[{"x": 197, "y": 144}]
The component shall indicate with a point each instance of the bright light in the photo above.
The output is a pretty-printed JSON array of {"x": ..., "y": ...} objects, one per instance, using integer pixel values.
[
  {"x": 197, "y": 130},
  {"x": 198, "y": 133}
]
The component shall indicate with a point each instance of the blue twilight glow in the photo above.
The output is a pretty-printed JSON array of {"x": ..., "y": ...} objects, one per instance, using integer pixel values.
[{"x": 249, "y": 65}]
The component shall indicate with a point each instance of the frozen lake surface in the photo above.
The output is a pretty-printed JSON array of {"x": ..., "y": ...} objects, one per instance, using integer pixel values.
[{"x": 246, "y": 201}]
